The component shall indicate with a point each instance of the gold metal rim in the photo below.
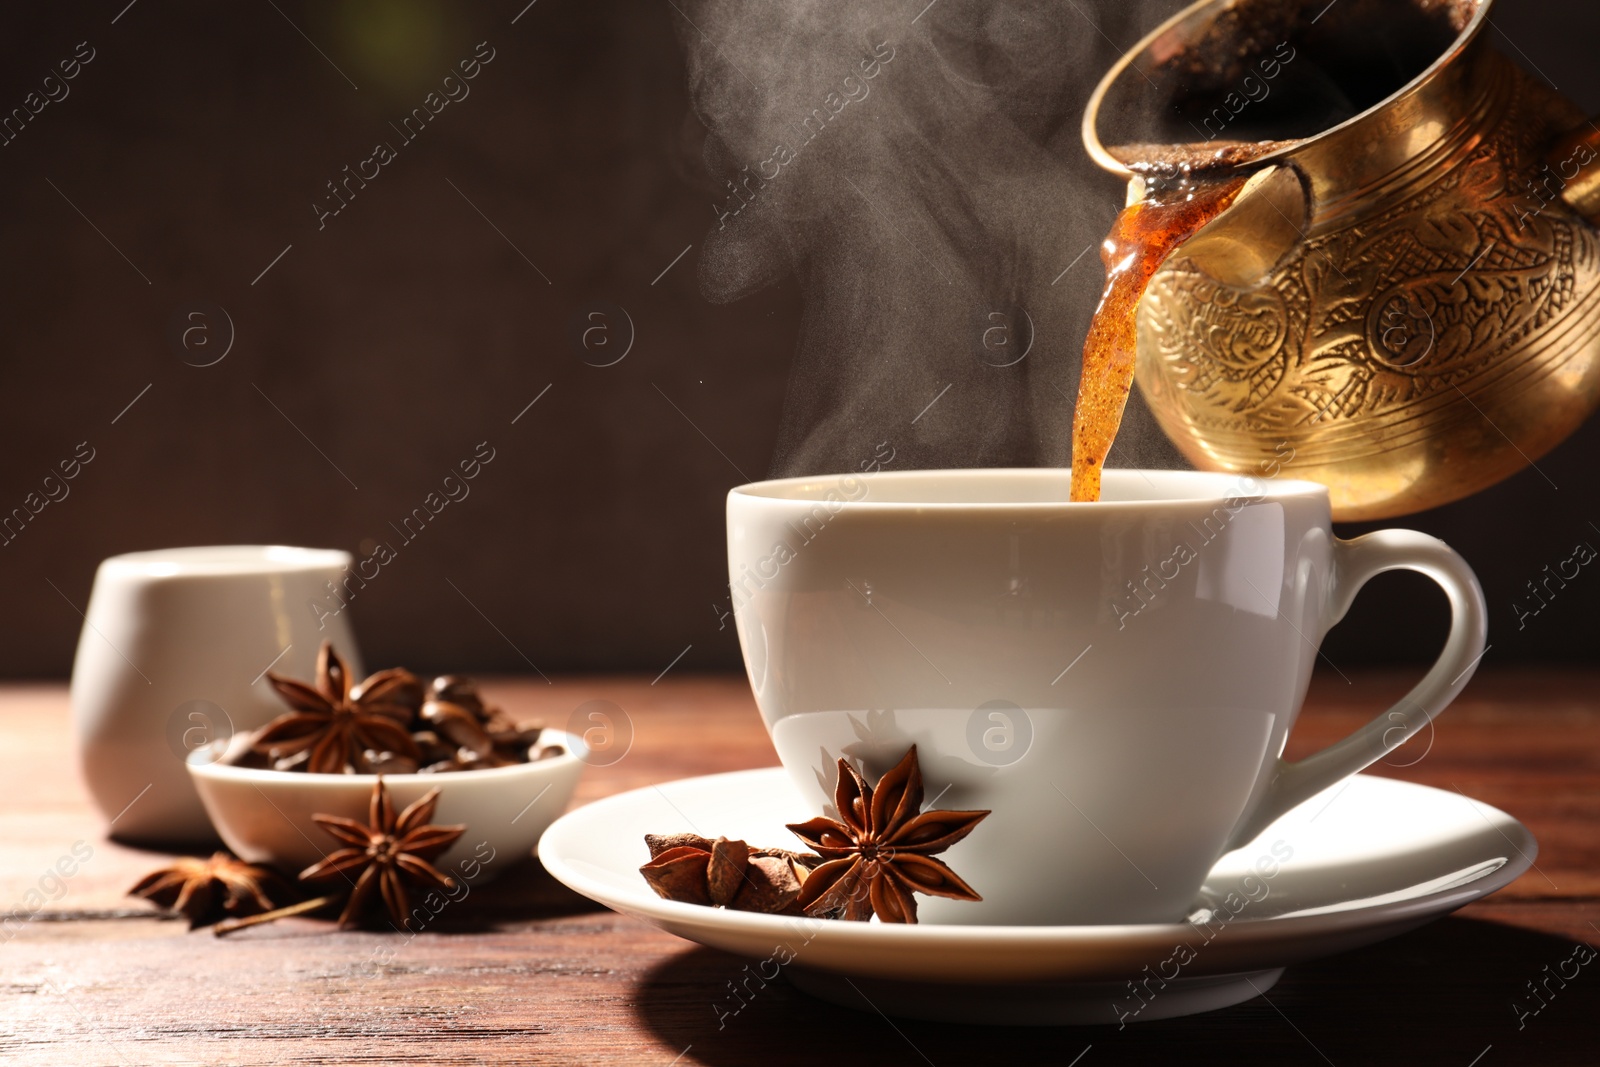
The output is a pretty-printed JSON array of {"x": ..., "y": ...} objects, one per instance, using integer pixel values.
[{"x": 1091, "y": 114}]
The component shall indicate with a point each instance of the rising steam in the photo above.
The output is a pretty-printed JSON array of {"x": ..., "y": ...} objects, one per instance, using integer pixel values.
[{"x": 921, "y": 176}]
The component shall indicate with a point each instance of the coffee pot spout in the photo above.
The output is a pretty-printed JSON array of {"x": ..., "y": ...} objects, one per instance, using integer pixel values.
[{"x": 1245, "y": 243}]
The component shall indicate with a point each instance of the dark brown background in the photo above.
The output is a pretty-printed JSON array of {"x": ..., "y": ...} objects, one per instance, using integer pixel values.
[{"x": 408, "y": 330}]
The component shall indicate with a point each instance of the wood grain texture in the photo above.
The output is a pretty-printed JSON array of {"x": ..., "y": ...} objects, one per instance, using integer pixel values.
[{"x": 524, "y": 972}]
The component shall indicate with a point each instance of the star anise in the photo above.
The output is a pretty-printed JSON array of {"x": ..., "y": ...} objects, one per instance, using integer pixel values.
[
  {"x": 880, "y": 849},
  {"x": 389, "y": 852},
  {"x": 208, "y": 890},
  {"x": 338, "y": 726},
  {"x": 725, "y": 874}
]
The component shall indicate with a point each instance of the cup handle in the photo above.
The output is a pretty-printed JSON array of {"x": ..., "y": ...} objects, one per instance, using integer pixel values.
[{"x": 1354, "y": 563}]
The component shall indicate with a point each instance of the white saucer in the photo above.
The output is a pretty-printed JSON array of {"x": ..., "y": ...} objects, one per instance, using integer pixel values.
[{"x": 1371, "y": 858}]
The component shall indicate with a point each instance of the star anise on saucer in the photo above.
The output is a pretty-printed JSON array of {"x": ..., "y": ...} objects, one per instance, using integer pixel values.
[
  {"x": 725, "y": 874},
  {"x": 880, "y": 850},
  {"x": 386, "y": 855},
  {"x": 336, "y": 726},
  {"x": 208, "y": 890}
]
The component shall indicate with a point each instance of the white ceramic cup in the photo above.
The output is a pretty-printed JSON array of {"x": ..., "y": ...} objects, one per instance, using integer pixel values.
[
  {"x": 1115, "y": 681},
  {"x": 173, "y": 655}
]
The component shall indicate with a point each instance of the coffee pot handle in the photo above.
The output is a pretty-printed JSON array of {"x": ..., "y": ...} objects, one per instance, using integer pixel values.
[
  {"x": 1572, "y": 171},
  {"x": 1355, "y": 562}
]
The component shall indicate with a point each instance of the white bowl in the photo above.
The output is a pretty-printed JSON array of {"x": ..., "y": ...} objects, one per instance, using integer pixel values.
[{"x": 264, "y": 816}]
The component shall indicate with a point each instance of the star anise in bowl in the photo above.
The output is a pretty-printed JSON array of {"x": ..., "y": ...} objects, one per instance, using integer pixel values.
[
  {"x": 387, "y": 724},
  {"x": 335, "y": 724}
]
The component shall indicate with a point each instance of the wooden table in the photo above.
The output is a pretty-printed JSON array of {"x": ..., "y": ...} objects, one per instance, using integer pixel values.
[{"x": 535, "y": 974}]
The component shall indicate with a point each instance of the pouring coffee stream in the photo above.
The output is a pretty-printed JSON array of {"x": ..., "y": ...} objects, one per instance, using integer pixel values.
[{"x": 1177, "y": 203}]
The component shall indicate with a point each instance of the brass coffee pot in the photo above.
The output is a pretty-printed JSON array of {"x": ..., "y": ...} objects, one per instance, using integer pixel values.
[{"x": 1404, "y": 303}]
